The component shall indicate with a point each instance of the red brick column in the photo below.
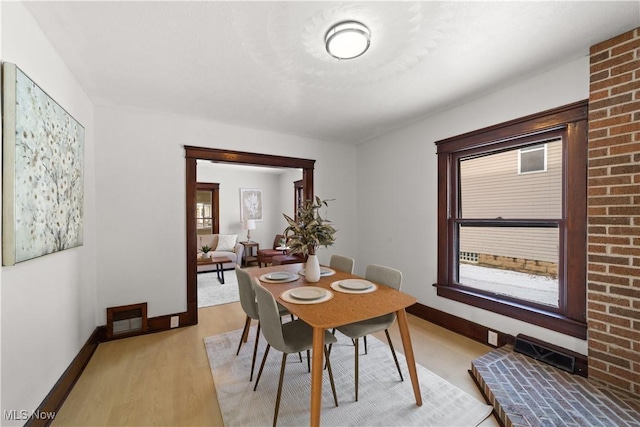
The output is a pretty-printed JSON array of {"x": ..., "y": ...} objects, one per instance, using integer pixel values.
[{"x": 613, "y": 293}]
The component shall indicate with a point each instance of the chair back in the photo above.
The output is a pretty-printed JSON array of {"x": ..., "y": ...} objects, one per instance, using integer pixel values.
[
  {"x": 342, "y": 263},
  {"x": 384, "y": 275},
  {"x": 247, "y": 293},
  {"x": 269, "y": 317},
  {"x": 276, "y": 241}
]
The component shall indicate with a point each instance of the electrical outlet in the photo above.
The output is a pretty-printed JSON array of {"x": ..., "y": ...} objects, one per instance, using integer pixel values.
[
  {"x": 492, "y": 339},
  {"x": 175, "y": 321}
]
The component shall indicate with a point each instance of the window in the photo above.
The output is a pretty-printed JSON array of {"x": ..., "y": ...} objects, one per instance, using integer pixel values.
[
  {"x": 514, "y": 241},
  {"x": 207, "y": 209},
  {"x": 532, "y": 159}
]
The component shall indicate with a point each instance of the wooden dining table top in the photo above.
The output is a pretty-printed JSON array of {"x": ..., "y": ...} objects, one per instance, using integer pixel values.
[{"x": 343, "y": 308}]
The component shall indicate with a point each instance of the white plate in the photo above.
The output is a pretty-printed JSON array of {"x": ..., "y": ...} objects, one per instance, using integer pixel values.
[
  {"x": 307, "y": 293},
  {"x": 324, "y": 271},
  {"x": 278, "y": 275},
  {"x": 355, "y": 284}
]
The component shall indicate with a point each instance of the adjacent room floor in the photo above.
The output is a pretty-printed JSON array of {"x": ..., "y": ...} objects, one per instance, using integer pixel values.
[{"x": 164, "y": 378}]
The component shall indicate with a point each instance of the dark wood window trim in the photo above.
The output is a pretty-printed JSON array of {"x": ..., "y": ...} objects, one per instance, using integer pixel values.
[
  {"x": 214, "y": 188},
  {"x": 571, "y": 122},
  {"x": 298, "y": 196},
  {"x": 224, "y": 156}
]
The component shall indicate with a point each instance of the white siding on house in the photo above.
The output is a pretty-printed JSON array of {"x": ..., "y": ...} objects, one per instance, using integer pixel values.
[
  {"x": 491, "y": 187},
  {"x": 540, "y": 244}
]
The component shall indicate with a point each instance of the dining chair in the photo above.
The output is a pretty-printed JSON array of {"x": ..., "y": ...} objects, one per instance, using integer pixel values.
[
  {"x": 342, "y": 263},
  {"x": 250, "y": 307},
  {"x": 290, "y": 337},
  {"x": 384, "y": 276}
]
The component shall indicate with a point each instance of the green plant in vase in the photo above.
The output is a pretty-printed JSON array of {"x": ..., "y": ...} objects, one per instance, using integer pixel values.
[
  {"x": 307, "y": 233},
  {"x": 205, "y": 251}
]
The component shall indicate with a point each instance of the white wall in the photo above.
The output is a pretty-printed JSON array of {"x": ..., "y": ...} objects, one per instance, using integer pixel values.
[
  {"x": 48, "y": 304},
  {"x": 397, "y": 189},
  {"x": 140, "y": 187},
  {"x": 276, "y": 190}
]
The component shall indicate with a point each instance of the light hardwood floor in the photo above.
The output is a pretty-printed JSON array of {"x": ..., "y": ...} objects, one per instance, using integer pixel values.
[{"x": 164, "y": 379}]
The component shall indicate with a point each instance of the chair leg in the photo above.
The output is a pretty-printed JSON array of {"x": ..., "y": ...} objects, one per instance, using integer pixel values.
[
  {"x": 356, "y": 367},
  {"x": 308, "y": 361},
  {"x": 255, "y": 353},
  {"x": 393, "y": 352},
  {"x": 328, "y": 354},
  {"x": 245, "y": 333},
  {"x": 264, "y": 359},
  {"x": 365, "y": 345},
  {"x": 282, "y": 367},
  {"x": 333, "y": 385}
]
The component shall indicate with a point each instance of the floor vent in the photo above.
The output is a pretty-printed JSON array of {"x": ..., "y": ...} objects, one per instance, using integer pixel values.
[
  {"x": 126, "y": 320},
  {"x": 546, "y": 353}
]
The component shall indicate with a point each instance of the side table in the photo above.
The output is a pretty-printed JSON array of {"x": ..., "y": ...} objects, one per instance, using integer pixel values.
[{"x": 250, "y": 253}]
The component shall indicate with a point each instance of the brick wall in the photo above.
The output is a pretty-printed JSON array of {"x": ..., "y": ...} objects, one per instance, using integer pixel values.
[{"x": 613, "y": 293}]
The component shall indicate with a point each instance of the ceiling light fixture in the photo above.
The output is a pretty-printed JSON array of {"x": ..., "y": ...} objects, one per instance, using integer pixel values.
[{"x": 347, "y": 39}]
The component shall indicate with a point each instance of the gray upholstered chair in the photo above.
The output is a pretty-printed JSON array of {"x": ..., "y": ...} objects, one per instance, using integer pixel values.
[
  {"x": 290, "y": 337},
  {"x": 342, "y": 263},
  {"x": 384, "y": 276},
  {"x": 250, "y": 307}
]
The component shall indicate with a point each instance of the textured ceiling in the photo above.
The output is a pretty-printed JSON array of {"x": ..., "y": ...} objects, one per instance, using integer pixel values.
[{"x": 263, "y": 64}]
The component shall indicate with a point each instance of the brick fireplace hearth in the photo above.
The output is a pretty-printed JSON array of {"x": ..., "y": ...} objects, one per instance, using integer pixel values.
[{"x": 526, "y": 392}]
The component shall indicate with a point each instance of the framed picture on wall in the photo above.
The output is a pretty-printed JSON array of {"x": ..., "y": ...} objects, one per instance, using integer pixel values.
[
  {"x": 250, "y": 204},
  {"x": 42, "y": 172}
]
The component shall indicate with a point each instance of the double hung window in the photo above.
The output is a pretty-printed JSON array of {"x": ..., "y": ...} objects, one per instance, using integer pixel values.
[{"x": 512, "y": 219}]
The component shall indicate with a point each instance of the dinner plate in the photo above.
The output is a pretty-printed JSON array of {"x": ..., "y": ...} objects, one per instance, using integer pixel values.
[
  {"x": 307, "y": 293},
  {"x": 278, "y": 275},
  {"x": 355, "y": 284},
  {"x": 324, "y": 271}
]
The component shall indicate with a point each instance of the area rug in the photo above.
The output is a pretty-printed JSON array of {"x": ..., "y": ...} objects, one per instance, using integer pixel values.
[
  {"x": 383, "y": 399},
  {"x": 211, "y": 292}
]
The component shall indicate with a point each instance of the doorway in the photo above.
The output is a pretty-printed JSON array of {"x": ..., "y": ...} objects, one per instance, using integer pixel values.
[{"x": 192, "y": 154}]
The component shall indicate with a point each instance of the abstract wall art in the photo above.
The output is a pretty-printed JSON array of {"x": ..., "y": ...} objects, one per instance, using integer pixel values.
[
  {"x": 250, "y": 204},
  {"x": 43, "y": 165}
]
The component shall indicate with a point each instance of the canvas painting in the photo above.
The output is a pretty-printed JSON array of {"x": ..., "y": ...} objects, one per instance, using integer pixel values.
[
  {"x": 43, "y": 164},
  {"x": 250, "y": 204}
]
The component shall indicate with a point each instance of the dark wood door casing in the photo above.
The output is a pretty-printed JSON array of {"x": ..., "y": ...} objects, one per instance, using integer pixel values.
[{"x": 224, "y": 156}]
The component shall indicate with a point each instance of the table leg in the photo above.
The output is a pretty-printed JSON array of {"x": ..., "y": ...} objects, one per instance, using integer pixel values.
[
  {"x": 220, "y": 273},
  {"x": 316, "y": 376},
  {"x": 408, "y": 354}
]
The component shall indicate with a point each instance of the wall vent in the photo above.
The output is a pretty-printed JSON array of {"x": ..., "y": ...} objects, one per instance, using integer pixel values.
[
  {"x": 126, "y": 320},
  {"x": 469, "y": 256},
  {"x": 546, "y": 353}
]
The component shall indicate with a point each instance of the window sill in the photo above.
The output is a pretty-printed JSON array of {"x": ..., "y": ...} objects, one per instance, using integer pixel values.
[{"x": 540, "y": 317}]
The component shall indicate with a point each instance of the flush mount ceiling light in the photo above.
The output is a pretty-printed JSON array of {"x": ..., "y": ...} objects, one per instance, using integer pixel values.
[{"x": 347, "y": 39}]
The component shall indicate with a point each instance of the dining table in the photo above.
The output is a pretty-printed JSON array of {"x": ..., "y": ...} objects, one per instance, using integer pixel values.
[{"x": 341, "y": 308}]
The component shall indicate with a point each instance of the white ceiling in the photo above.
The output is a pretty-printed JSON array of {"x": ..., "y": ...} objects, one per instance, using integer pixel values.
[{"x": 263, "y": 64}]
